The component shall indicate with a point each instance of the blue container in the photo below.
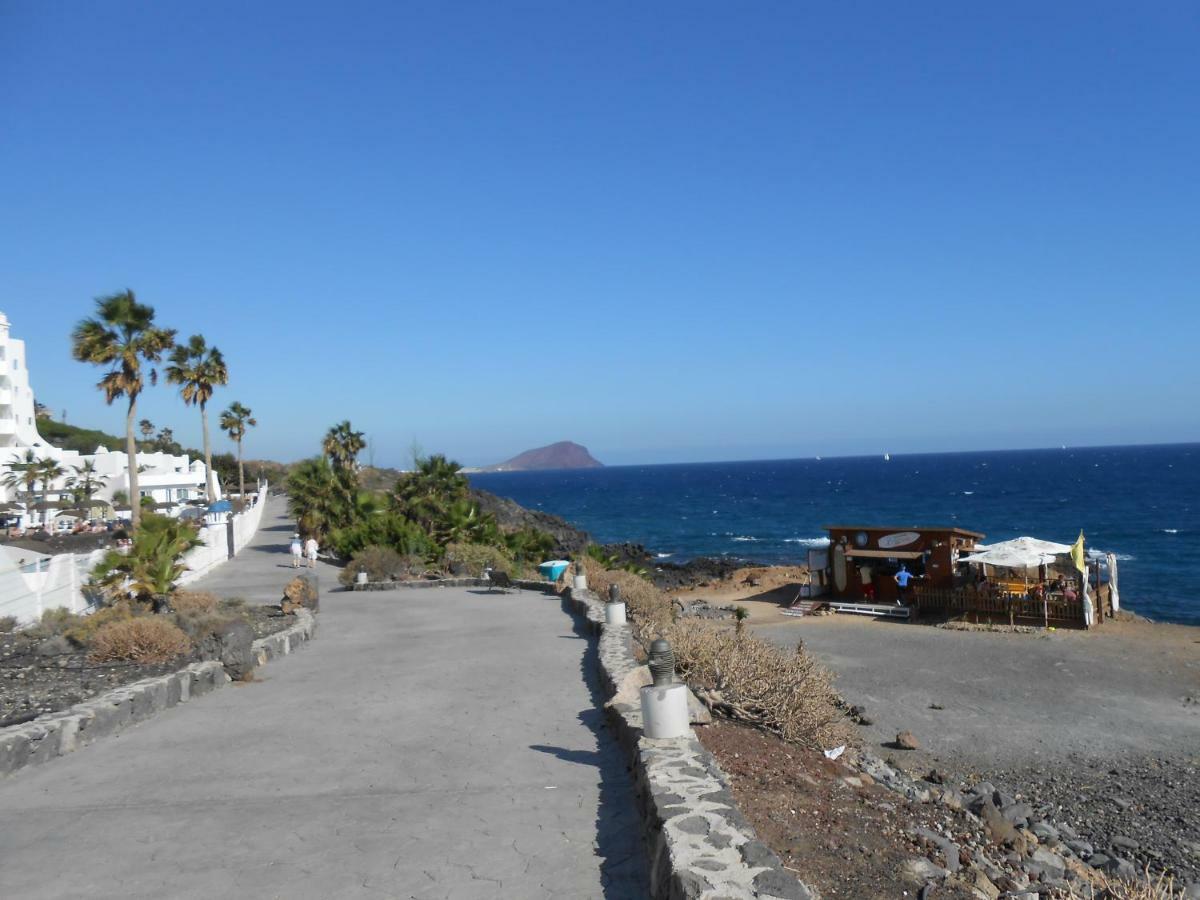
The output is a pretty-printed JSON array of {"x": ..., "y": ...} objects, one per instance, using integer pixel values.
[{"x": 553, "y": 569}]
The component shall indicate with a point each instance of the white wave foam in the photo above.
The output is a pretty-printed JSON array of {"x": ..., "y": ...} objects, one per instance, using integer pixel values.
[
  {"x": 744, "y": 537},
  {"x": 1170, "y": 530},
  {"x": 808, "y": 542},
  {"x": 663, "y": 555}
]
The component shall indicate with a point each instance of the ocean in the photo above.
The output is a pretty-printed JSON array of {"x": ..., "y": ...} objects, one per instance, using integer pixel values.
[{"x": 1141, "y": 503}]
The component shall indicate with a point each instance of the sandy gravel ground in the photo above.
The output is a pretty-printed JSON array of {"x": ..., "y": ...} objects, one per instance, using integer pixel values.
[{"x": 1103, "y": 726}]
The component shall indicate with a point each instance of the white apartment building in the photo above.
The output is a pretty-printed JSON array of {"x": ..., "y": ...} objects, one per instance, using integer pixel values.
[{"x": 171, "y": 481}]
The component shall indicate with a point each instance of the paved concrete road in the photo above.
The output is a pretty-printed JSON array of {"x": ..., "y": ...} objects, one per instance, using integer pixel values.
[{"x": 428, "y": 744}]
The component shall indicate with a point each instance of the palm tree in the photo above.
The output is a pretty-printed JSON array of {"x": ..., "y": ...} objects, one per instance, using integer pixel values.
[
  {"x": 317, "y": 499},
  {"x": 26, "y": 474},
  {"x": 153, "y": 564},
  {"x": 50, "y": 471},
  {"x": 123, "y": 337},
  {"x": 146, "y": 427},
  {"x": 342, "y": 445},
  {"x": 85, "y": 482},
  {"x": 165, "y": 439},
  {"x": 234, "y": 422},
  {"x": 197, "y": 369}
]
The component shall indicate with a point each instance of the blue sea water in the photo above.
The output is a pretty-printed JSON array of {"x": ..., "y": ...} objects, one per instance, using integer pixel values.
[{"x": 1141, "y": 503}]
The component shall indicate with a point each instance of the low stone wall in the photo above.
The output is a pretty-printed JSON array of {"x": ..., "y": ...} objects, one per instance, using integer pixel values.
[
  {"x": 700, "y": 845},
  {"x": 60, "y": 733}
]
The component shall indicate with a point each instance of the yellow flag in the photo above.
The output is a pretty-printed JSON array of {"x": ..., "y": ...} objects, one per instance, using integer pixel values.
[{"x": 1077, "y": 554}]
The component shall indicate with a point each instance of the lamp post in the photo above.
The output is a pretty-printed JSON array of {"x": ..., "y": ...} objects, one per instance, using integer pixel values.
[{"x": 664, "y": 702}]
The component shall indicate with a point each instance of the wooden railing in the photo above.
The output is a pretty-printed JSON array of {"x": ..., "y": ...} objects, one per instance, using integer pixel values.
[{"x": 999, "y": 605}]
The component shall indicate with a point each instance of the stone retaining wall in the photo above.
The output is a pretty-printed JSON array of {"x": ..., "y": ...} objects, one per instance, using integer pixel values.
[
  {"x": 700, "y": 845},
  {"x": 63, "y": 732}
]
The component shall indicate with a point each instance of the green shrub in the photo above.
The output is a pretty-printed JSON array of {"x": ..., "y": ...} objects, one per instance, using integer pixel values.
[
  {"x": 8, "y": 624},
  {"x": 380, "y": 564},
  {"x": 529, "y": 545},
  {"x": 144, "y": 639},
  {"x": 477, "y": 557},
  {"x": 383, "y": 529}
]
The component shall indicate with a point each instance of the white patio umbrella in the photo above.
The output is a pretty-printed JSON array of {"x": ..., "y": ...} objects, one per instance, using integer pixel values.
[{"x": 1019, "y": 553}]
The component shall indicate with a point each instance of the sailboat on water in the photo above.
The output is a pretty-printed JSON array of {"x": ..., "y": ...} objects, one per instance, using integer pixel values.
[{"x": 887, "y": 457}]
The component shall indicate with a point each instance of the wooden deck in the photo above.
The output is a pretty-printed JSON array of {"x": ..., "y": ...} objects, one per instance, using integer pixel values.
[
  {"x": 877, "y": 610},
  {"x": 1009, "y": 606}
]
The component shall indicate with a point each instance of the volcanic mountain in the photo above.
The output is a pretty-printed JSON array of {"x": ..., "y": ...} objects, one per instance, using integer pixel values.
[{"x": 563, "y": 455}]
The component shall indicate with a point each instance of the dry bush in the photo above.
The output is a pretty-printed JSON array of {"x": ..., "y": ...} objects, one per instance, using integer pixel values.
[
  {"x": 1161, "y": 888},
  {"x": 57, "y": 621},
  {"x": 789, "y": 694},
  {"x": 8, "y": 624},
  {"x": 650, "y": 610},
  {"x": 83, "y": 630},
  {"x": 145, "y": 639},
  {"x": 191, "y": 603}
]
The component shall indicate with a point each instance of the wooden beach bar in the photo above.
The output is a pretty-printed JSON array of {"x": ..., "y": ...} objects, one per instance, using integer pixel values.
[
  {"x": 1024, "y": 581},
  {"x": 865, "y": 558}
]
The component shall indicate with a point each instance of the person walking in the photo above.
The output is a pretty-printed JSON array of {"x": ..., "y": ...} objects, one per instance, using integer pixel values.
[
  {"x": 310, "y": 551},
  {"x": 297, "y": 551},
  {"x": 902, "y": 578}
]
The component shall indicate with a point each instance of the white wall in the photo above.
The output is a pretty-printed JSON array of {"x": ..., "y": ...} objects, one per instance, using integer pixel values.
[{"x": 50, "y": 582}]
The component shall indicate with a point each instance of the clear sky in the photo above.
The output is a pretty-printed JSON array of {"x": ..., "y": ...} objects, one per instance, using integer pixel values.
[{"x": 669, "y": 231}]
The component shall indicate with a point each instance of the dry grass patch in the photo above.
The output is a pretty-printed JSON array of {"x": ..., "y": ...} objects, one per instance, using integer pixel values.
[{"x": 145, "y": 639}]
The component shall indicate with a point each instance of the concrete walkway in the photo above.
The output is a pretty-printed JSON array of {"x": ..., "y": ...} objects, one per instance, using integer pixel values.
[{"x": 438, "y": 743}]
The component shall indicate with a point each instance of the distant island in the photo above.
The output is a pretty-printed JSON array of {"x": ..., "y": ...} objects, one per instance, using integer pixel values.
[{"x": 563, "y": 455}]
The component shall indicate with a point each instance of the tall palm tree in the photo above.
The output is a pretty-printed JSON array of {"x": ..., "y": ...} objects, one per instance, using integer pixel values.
[
  {"x": 197, "y": 369},
  {"x": 342, "y": 445},
  {"x": 123, "y": 336},
  {"x": 234, "y": 422},
  {"x": 85, "y": 482},
  {"x": 164, "y": 439},
  {"x": 146, "y": 427},
  {"x": 24, "y": 474}
]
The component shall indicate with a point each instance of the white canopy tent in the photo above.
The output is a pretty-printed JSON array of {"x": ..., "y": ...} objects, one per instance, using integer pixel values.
[{"x": 1019, "y": 553}]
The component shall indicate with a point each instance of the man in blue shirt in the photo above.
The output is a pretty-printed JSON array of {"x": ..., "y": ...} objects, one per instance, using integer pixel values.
[{"x": 903, "y": 577}]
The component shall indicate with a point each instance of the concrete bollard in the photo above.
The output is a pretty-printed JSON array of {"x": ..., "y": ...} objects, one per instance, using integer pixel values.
[
  {"x": 579, "y": 582},
  {"x": 664, "y": 703},
  {"x": 360, "y": 578},
  {"x": 614, "y": 609},
  {"x": 665, "y": 711}
]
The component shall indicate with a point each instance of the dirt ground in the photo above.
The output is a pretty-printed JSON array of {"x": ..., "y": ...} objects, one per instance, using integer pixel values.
[
  {"x": 1104, "y": 725},
  {"x": 39, "y": 675},
  {"x": 842, "y": 836}
]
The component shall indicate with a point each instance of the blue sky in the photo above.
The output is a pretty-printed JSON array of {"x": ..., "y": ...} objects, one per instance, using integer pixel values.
[{"x": 671, "y": 232}]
